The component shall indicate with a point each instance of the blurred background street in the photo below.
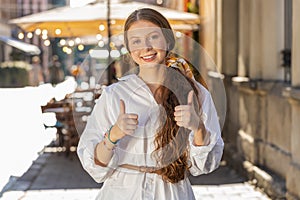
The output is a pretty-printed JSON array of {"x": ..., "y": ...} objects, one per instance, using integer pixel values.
[{"x": 56, "y": 56}]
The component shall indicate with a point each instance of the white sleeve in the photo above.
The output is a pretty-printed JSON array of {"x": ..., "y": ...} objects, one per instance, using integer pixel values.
[
  {"x": 205, "y": 159},
  {"x": 102, "y": 117}
]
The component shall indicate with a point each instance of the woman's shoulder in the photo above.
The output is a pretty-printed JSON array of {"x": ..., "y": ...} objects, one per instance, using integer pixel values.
[{"x": 202, "y": 88}]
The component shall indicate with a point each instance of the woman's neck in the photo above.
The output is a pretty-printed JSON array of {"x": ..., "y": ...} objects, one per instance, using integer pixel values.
[{"x": 152, "y": 75}]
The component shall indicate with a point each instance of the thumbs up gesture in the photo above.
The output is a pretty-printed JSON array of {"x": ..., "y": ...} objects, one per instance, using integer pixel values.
[
  {"x": 125, "y": 125},
  {"x": 186, "y": 116}
]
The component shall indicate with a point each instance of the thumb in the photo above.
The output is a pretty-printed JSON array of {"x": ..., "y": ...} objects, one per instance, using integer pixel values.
[
  {"x": 190, "y": 98},
  {"x": 122, "y": 107}
]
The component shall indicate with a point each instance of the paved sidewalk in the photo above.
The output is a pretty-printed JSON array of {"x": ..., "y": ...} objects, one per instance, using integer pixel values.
[{"x": 54, "y": 176}]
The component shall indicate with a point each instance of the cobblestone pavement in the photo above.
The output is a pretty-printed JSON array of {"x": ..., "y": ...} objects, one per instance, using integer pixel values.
[{"x": 55, "y": 176}]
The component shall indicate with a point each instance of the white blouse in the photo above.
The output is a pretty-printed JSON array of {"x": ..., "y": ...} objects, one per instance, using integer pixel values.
[{"x": 121, "y": 183}]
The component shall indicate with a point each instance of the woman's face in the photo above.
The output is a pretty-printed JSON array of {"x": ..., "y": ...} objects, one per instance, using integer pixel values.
[{"x": 146, "y": 43}]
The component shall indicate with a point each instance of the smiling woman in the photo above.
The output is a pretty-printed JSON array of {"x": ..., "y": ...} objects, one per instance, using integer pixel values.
[
  {"x": 148, "y": 131},
  {"x": 147, "y": 45}
]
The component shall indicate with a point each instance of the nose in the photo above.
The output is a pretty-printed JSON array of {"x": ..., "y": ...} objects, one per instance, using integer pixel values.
[{"x": 148, "y": 44}]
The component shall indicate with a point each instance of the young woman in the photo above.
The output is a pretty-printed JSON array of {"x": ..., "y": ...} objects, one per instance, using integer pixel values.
[{"x": 148, "y": 131}]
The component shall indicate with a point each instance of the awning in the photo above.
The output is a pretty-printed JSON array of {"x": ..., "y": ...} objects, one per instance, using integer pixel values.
[
  {"x": 89, "y": 19},
  {"x": 27, "y": 48}
]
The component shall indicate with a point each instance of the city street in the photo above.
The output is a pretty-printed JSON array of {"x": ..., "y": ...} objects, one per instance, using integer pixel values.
[{"x": 60, "y": 176}]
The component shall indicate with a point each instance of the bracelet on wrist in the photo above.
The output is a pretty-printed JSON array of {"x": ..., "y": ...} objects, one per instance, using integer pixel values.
[{"x": 108, "y": 136}]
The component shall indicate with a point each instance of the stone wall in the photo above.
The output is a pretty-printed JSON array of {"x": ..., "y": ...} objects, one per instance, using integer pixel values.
[
  {"x": 262, "y": 125},
  {"x": 267, "y": 137}
]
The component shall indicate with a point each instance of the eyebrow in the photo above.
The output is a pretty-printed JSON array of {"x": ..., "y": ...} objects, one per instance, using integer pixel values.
[{"x": 136, "y": 36}]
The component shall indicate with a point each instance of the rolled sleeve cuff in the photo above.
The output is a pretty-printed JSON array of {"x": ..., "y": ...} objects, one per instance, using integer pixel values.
[
  {"x": 97, "y": 172},
  {"x": 202, "y": 151}
]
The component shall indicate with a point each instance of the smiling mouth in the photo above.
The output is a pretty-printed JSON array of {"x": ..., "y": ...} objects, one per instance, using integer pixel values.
[{"x": 149, "y": 57}]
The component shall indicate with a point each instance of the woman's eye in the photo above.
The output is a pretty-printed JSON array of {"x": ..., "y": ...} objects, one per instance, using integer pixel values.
[
  {"x": 154, "y": 37},
  {"x": 135, "y": 42}
]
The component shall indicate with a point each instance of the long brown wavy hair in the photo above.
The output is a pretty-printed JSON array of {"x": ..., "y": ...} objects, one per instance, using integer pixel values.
[{"x": 171, "y": 141}]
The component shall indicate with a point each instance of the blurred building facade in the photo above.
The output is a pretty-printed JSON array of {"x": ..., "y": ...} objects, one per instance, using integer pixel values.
[
  {"x": 10, "y": 9},
  {"x": 252, "y": 42}
]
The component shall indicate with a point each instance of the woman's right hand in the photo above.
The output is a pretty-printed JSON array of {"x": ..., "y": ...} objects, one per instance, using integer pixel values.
[{"x": 126, "y": 124}]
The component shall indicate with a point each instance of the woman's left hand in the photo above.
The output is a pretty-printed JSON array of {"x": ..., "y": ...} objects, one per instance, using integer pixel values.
[{"x": 186, "y": 116}]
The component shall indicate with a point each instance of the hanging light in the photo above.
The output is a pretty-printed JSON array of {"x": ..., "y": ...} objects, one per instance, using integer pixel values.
[
  {"x": 62, "y": 42},
  {"x": 80, "y": 47},
  {"x": 47, "y": 43},
  {"x": 77, "y": 40},
  {"x": 29, "y": 35},
  {"x": 69, "y": 51},
  {"x": 64, "y": 49},
  {"x": 178, "y": 34},
  {"x": 112, "y": 44},
  {"x": 101, "y": 43},
  {"x": 71, "y": 43},
  {"x": 21, "y": 36},
  {"x": 38, "y": 31},
  {"x": 44, "y": 32},
  {"x": 99, "y": 37},
  {"x": 57, "y": 31},
  {"x": 101, "y": 27},
  {"x": 44, "y": 37},
  {"x": 124, "y": 50}
]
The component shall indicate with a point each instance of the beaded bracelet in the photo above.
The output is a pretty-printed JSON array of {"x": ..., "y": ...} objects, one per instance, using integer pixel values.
[{"x": 107, "y": 134}]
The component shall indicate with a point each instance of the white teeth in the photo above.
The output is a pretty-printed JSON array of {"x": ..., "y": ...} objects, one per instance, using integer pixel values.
[{"x": 148, "y": 57}]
